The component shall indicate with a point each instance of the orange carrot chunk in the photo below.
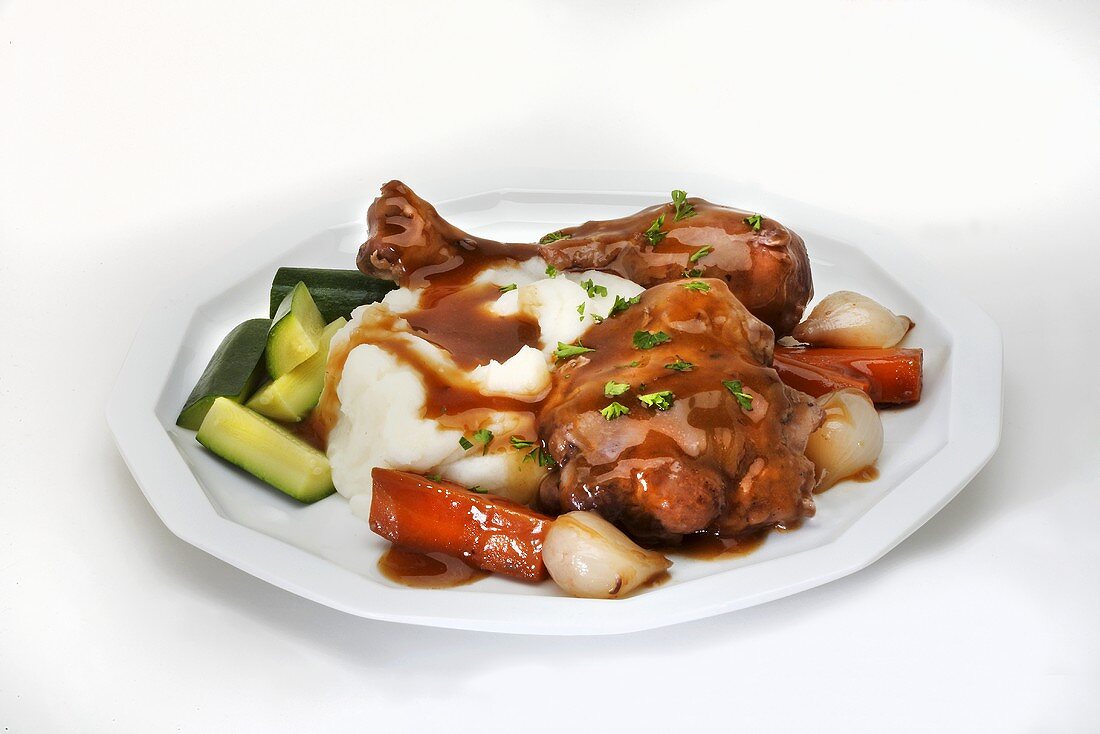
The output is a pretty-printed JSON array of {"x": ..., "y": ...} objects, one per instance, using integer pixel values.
[
  {"x": 888, "y": 376},
  {"x": 489, "y": 532}
]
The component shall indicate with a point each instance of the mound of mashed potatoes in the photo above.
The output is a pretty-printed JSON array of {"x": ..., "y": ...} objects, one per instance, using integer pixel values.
[{"x": 382, "y": 397}]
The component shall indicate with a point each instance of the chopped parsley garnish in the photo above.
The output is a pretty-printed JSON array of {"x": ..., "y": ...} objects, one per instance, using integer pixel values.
[
  {"x": 592, "y": 289},
  {"x": 551, "y": 271},
  {"x": 683, "y": 209},
  {"x": 520, "y": 443},
  {"x": 646, "y": 340},
  {"x": 612, "y": 388},
  {"x": 477, "y": 488},
  {"x": 696, "y": 285},
  {"x": 434, "y": 477},
  {"x": 621, "y": 304},
  {"x": 737, "y": 390},
  {"x": 580, "y": 310},
  {"x": 542, "y": 456},
  {"x": 614, "y": 410},
  {"x": 700, "y": 253},
  {"x": 693, "y": 273},
  {"x": 553, "y": 237},
  {"x": 754, "y": 221},
  {"x": 565, "y": 351},
  {"x": 596, "y": 317},
  {"x": 659, "y": 400},
  {"x": 465, "y": 443},
  {"x": 680, "y": 365},
  {"x": 509, "y": 287},
  {"x": 654, "y": 234},
  {"x": 484, "y": 436}
]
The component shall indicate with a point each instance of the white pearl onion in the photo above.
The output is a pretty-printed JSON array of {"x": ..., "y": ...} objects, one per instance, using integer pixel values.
[
  {"x": 849, "y": 440},
  {"x": 849, "y": 319}
]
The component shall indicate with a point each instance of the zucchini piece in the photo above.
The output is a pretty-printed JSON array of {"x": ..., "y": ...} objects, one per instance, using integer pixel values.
[
  {"x": 292, "y": 396},
  {"x": 336, "y": 292},
  {"x": 295, "y": 332},
  {"x": 266, "y": 450},
  {"x": 233, "y": 372}
]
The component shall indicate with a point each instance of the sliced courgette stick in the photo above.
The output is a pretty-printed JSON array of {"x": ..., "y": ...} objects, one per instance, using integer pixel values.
[
  {"x": 295, "y": 332},
  {"x": 336, "y": 292},
  {"x": 266, "y": 450},
  {"x": 233, "y": 372},
  {"x": 292, "y": 396}
]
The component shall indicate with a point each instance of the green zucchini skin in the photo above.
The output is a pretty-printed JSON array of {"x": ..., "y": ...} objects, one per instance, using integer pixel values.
[
  {"x": 295, "y": 332},
  {"x": 233, "y": 372},
  {"x": 336, "y": 292}
]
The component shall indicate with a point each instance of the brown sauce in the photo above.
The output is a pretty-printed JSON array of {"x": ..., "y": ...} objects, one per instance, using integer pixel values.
[
  {"x": 866, "y": 474},
  {"x": 426, "y": 570},
  {"x": 709, "y": 547}
]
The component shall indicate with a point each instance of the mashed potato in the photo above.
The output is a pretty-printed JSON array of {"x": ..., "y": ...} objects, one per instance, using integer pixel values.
[{"x": 382, "y": 399}]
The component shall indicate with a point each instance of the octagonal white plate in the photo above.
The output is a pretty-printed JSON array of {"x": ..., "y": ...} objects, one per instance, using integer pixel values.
[{"x": 323, "y": 553}]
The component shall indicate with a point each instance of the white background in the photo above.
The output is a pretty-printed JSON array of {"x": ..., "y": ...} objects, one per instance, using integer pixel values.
[{"x": 138, "y": 140}]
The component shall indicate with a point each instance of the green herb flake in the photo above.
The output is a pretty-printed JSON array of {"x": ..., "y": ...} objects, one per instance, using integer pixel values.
[
  {"x": 680, "y": 365},
  {"x": 434, "y": 477},
  {"x": 509, "y": 287},
  {"x": 614, "y": 410},
  {"x": 592, "y": 289},
  {"x": 754, "y": 221},
  {"x": 696, "y": 285},
  {"x": 477, "y": 488},
  {"x": 737, "y": 390},
  {"x": 580, "y": 310},
  {"x": 662, "y": 400},
  {"x": 484, "y": 437},
  {"x": 693, "y": 273},
  {"x": 679, "y": 203},
  {"x": 647, "y": 340},
  {"x": 465, "y": 443},
  {"x": 520, "y": 443},
  {"x": 566, "y": 351},
  {"x": 553, "y": 237},
  {"x": 551, "y": 271},
  {"x": 612, "y": 388},
  {"x": 621, "y": 304},
  {"x": 596, "y": 317},
  {"x": 700, "y": 253},
  {"x": 654, "y": 235}
]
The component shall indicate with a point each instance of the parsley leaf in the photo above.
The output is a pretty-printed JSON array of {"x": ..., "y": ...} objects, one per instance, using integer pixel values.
[
  {"x": 614, "y": 410},
  {"x": 580, "y": 310},
  {"x": 596, "y": 317},
  {"x": 465, "y": 443},
  {"x": 592, "y": 289},
  {"x": 646, "y": 340},
  {"x": 680, "y": 365},
  {"x": 700, "y": 253},
  {"x": 542, "y": 456},
  {"x": 565, "y": 351},
  {"x": 477, "y": 488},
  {"x": 551, "y": 271},
  {"x": 754, "y": 221},
  {"x": 520, "y": 443},
  {"x": 621, "y": 304},
  {"x": 737, "y": 390},
  {"x": 484, "y": 436},
  {"x": 683, "y": 209},
  {"x": 654, "y": 234},
  {"x": 696, "y": 285},
  {"x": 612, "y": 388},
  {"x": 693, "y": 273},
  {"x": 553, "y": 237},
  {"x": 509, "y": 287},
  {"x": 660, "y": 400},
  {"x": 434, "y": 477}
]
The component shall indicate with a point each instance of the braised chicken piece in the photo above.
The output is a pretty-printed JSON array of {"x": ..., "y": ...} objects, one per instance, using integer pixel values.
[
  {"x": 707, "y": 438},
  {"x": 407, "y": 235},
  {"x": 763, "y": 263}
]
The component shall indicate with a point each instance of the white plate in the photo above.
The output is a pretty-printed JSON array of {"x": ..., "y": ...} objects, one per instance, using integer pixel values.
[{"x": 323, "y": 553}]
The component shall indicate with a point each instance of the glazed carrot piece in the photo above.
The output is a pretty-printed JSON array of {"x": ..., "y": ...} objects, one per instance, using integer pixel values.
[
  {"x": 428, "y": 516},
  {"x": 888, "y": 376}
]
